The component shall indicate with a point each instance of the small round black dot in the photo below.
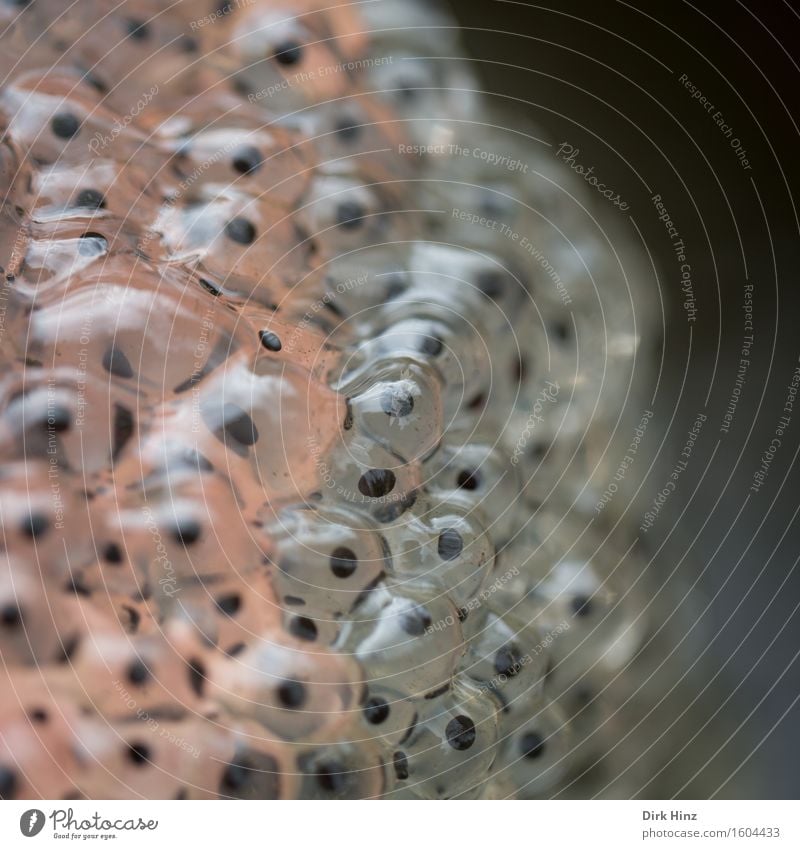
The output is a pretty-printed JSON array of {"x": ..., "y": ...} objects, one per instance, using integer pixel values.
[
  {"x": 240, "y": 230},
  {"x": 59, "y": 419},
  {"x": 400, "y": 762},
  {"x": 407, "y": 91},
  {"x": 347, "y": 130},
  {"x": 271, "y": 341},
  {"x": 112, "y": 553},
  {"x": 331, "y": 777},
  {"x": 197, "y": 676},
  {"x": 35, "y": 525},
  {"x": 8, "y": 782},
  {"x": 38, "y": 715},
  {"x": 350, "y": 214},
  {"x": 90, "y": 199},
  {"x": 92, "y": 244},
  {"x": 376, "y": 710},
  {"x": 343, "y": 562},
  {"x": 431, "y": 345},
  {"x": 291, "y": 694},
  {"x": 236, "y": 775},
  {"x": 376, "y": 483},
  {"x": 187, "y": 531},
  {"x": 116, "y": 363},
  {"x": 460, "y": 732},
  {"x": 491, "y": 283},
  {"x": 10, "y": 616},
  {"x": 188, "y": 44},
  {"x": 507, "y": 661},
  {"x": 397, "y": 402},
  {"x": 138, "y": 30},
  {"x": 415, "y": 621},
  {"x": 229, "y": 604},
  {"x": 138, "y": 753},
  {"x": 65, "y": 125},
  {"x": 303, "y": 628},
  {"x": 212, "y": 289},
  {"x": 395, "y": 287},
  {"x": 247, "y": 159},
  {"x": 288, "y": 53},
  {"x": 561, "y": 331},
  {"x": 581, "y": 605},
  {"x": 138, "y": 673},
  {"x": 468, "y": 479},
  {"x": 450, "y": 544},
  {"x": 531, "y": 745},
  {"x": 238, "y": 425}
]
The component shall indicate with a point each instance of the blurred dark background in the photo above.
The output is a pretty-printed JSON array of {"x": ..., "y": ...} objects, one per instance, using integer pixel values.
[{"x": 605, "y": 77}]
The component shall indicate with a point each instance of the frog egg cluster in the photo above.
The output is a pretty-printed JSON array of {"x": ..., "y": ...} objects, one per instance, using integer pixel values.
[{"x": 290, "y": 424}]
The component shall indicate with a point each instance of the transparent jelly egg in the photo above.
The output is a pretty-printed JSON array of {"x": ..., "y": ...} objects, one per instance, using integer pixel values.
[
  {"x": 452, "y": 746},
  {"x": 408, "y": 642}
]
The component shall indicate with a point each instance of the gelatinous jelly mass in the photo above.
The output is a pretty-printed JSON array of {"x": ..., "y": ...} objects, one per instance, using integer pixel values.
[{"x": 292, "y": 418}]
